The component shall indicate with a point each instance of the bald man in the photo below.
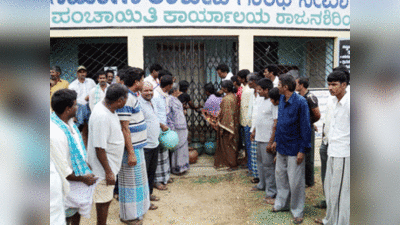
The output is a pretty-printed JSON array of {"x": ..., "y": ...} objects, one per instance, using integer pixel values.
[{"x": 153, "y": 132}]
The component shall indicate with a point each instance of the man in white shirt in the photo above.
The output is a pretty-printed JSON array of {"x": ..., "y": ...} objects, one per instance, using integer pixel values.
[
  {"x": 97, "y": 93},
  {"x": 323, "y": 150},
  {"x": 252, "y": 80},
  {"x": 263, "y": 133},
  {"x": 67, "y": 143},
  {"x": 224, "y": 72},
  {"x": 106, "y": 147},
  {"x": 337, "y": 180},
  {"x": 153, "y": 76},
  {"x": 271, "y": 72},
  {"x": 82, "y": 86},
  {"x": 160, "y": 101},
  {"x": 152, "y": 149}
]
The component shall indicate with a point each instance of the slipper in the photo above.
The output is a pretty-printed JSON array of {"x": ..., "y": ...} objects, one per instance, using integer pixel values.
[
  {"x": 270, "y": 201},
  {"x": 153, "y": 207},
  {"x": 319, "y": 221},
  {"x": 132, "y": 222},
  {"x": 255, "y": 180},
  {"x": 171, "y": 180},
  {"x": 297, "y": 220},
  {"x": 161, "y": 187},
  {"x": 154, "y": 198}
]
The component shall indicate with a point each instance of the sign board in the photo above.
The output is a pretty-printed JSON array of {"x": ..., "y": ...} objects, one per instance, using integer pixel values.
[
  {"x": 322, "y": 96},
  {"x": 344, "y": 53},
  {"x": 297, "y": 14}
]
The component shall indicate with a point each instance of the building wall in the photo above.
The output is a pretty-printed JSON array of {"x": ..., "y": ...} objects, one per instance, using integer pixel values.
[{"x": 245, "y": 36}]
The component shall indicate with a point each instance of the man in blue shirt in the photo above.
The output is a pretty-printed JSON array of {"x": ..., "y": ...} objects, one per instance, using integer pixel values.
[{"x": 292, "y": 140}]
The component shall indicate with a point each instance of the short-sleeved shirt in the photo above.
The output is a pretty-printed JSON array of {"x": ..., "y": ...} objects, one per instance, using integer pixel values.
[
  {"x": 62, "y": 84},
  {"x": 312, "y": 102},
  {"x": 293, "y": 131},
  {"x": 153, "y": 124},
  {"x": 82, "y": 89},
  {"x": 105, "y": 132},
  {"x": 184, "y": 98},
  {"x": 132, "y": 112},
  {"x": 264, "y": 119}
]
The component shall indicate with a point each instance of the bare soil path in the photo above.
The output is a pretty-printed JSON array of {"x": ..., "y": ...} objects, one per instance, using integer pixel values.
[{"x": 208, "y": 196}]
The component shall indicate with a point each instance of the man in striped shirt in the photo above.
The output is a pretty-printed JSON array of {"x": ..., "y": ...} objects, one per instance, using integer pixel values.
[{"x": 134, "y": 197}]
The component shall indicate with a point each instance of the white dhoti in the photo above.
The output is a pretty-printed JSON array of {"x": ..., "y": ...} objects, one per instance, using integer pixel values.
[
  {"x": 337, "y": 191},
  {"x": 80, "y": 197}
]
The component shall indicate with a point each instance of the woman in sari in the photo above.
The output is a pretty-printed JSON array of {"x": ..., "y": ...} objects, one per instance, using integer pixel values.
[
  {"x": 227, "y": 129},
  {"x": 176, "y": 120}
]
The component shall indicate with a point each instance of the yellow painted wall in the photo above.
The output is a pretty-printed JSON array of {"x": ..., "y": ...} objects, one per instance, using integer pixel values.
[{"x": 135, "y": 38}]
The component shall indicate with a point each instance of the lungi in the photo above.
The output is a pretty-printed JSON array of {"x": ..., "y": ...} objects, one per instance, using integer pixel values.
[
  {"x": 134, "y": 197},
  {"x": 163, "y": 170}
]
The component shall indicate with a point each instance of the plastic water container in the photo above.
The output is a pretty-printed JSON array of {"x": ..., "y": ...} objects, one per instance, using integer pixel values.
[
  {"x": 210, "y": 147},
  {"x": 169, "y": 139}
]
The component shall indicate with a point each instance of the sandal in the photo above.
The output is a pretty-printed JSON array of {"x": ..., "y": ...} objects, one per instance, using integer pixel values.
[
  {"x": 231, "y": 169},
  {"x": 160, "y": 187},
  {"x": 171, "y": 180},
  {"x": 154, "y": 198},
  {"x": 297, "y": 220},
  {"x": 319, "y": 221},
  {"x": 153, "y": 207}
]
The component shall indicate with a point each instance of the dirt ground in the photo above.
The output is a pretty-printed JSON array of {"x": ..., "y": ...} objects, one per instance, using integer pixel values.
[{"x": 218, "y": 199}]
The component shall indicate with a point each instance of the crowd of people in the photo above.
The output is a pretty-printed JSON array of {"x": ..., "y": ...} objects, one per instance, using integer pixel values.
[{"x": 104, "y": 139}]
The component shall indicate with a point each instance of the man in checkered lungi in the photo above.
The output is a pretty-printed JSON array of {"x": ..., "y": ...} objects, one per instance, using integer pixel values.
[
  {"x": 161, "y": 99},
  {"x": 134, "y": 196}
]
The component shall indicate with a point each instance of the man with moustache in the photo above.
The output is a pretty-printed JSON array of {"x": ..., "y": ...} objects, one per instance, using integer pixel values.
[
  {"x": 134, "y": 199},
  {"x": 97, "y": 93},
  {"x": 82, "y": 86},
  {"x": 69, "y": 155},
  {"x": 58, "y": 83},
  {"x": 153, "y": 132},
  {"x": 292, "y": 140},
  {"x": 337, "y": 177}
]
